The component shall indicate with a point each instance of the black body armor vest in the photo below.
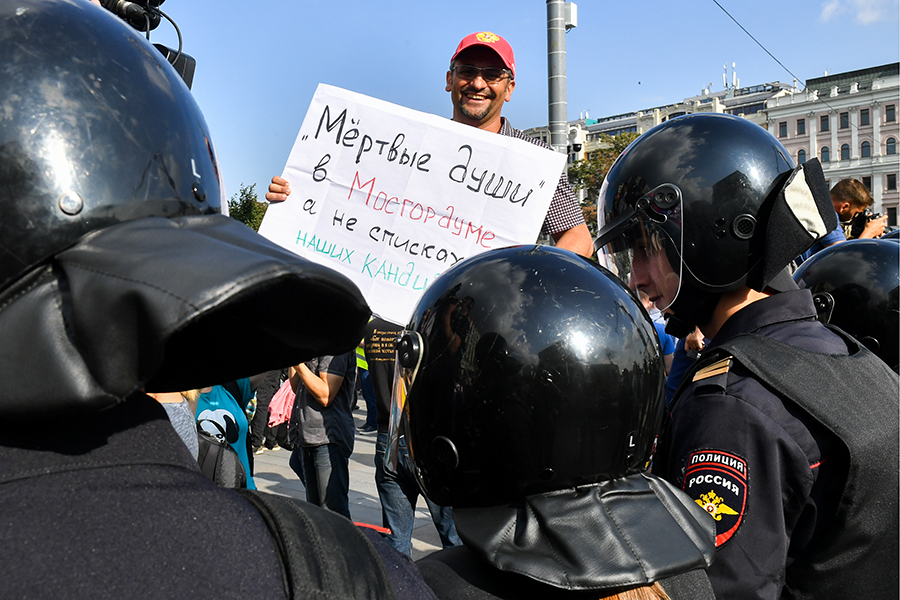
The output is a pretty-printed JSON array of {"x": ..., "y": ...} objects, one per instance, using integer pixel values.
[{"x": 856, "y": 398}]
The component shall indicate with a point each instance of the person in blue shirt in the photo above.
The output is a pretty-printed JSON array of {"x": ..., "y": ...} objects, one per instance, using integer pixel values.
[
  {"x": 687, "y": 349},
  {"x": 220, "y": 414}
]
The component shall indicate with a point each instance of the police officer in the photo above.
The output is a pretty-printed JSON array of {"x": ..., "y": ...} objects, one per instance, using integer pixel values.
[
  {"x": 533, "y": 386},
  {"x": 117, "y": 274},
  {"x": 769, "y": 432}
]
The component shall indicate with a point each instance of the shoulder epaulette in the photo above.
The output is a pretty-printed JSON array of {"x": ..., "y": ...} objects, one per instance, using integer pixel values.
[{"x": 717, "y": 368}]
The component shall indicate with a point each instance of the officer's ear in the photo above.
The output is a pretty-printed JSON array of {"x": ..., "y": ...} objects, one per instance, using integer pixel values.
[{"x": 840, "y": 207}]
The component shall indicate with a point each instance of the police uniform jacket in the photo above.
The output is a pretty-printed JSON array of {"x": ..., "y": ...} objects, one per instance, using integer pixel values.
[{"x": 772, "y": 476}]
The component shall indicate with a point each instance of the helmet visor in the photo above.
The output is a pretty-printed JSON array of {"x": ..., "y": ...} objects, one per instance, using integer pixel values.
[
  {"x": 640, "y": 240},
  {"x": 406, "y": 366}
]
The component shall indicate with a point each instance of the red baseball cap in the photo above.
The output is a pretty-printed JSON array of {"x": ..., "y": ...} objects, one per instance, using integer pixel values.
[{"x": 492, "y": 41}]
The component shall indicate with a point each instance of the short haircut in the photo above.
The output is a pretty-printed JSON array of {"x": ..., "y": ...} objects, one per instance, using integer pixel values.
[{"x": 854, "y": 192}]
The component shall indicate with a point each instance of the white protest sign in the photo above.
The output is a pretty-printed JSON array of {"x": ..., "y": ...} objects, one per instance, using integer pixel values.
[{"x": 392, "y": 197}]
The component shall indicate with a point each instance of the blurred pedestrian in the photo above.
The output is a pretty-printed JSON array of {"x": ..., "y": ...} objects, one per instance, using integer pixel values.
[{"x": 322, "y": 428}]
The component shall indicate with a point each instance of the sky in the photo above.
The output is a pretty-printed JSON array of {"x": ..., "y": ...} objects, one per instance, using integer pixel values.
[{"x": 258, "y": 64}]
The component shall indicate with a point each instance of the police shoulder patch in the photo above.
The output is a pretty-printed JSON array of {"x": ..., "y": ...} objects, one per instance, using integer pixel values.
[{"x": 717, "y": 481}]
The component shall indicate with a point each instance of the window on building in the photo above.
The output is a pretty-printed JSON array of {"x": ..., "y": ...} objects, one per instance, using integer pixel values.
[
  {"x": 782, "y": 129},
  {"x": 864, "y": 116},
  {"x": 845, "y": 120},
  {"x": 801, "y": 157},
  {"x": 823, "y": 123},
  {"x": 747, "y": 110},
  {"x": 865, "y": 150},
  {"x": 892, "y": 181},
  {"x": 867, "y": 181},
  {"x": 892, "y": 216},
  {"x": 801, "y": 126},
  {"x": 826, "y": 155},
  {"x": 890, "y": 114},
  {"x": 845, "y": 152},
  {"x": 891, "y": 146}
]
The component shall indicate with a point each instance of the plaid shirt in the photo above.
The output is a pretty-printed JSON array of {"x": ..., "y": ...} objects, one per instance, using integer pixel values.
[{"x": 564, "y": 212}]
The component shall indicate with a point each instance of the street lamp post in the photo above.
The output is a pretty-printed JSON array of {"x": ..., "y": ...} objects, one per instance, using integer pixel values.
[{"x": 561, "y": 16}]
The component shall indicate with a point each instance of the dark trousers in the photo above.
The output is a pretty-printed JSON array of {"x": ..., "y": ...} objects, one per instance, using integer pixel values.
[
  {"x": 260, "y": 433},
  {"x": 326, "y": 474}
]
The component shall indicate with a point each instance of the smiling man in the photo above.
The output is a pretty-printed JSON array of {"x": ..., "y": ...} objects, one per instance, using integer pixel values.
[{"x": 481, "y": 78}]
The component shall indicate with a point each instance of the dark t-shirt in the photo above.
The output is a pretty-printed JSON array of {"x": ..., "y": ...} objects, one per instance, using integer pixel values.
[
  {"x": 332, "y": 424},
  {"x": 269, "y": 386},
  {"x": 379, "y": 342}
]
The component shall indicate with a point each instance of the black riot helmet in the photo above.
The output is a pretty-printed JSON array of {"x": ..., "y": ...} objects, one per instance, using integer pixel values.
[
  {"x": 716, "y": 197},
  {"x": 117, "y": 272},
  {"x": 855, "y": 287},
  {"x": 525, "y": 370},
  {"x": 96, "y": 128}
]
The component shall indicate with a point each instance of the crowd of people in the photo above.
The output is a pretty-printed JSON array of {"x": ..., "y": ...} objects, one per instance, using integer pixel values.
[{"x": 566, "y": 447}]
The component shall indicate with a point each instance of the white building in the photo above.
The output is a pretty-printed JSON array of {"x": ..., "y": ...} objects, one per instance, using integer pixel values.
[
  {"x": 583, "y": 134},
  {"x": 848, "y": 120}
]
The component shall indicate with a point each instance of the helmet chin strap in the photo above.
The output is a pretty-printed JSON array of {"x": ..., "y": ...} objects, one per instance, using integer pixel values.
[
  {"x": 691, "y": 308},
  {"x": 678, "y": 327}
]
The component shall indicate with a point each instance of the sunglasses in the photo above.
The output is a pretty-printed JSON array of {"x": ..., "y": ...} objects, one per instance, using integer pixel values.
[{"x": 489, "y": 74}]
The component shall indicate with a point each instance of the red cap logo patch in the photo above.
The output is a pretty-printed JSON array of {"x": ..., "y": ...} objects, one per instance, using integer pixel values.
[
  {"x": 486, "y": 37},
  {"x": 717, "y": 481}
]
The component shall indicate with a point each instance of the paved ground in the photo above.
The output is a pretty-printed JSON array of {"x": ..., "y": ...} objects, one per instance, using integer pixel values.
[{"x": 273, "y": 474}]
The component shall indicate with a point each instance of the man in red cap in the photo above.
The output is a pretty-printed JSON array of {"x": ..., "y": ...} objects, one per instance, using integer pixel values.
[{"x": 482, "y": 76}]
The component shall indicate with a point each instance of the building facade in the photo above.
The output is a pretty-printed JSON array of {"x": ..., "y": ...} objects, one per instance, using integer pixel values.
[
  {"x": 584, "y": 134},
  {"x": 849, "y": 121}
]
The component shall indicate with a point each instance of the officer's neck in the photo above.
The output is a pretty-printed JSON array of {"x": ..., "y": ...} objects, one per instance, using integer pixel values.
[{"x": 729, "y": 304}]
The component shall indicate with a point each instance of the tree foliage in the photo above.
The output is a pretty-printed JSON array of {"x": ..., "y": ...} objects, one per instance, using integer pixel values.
[
  {"x": 588, "y": 174},
  {"x": 246, "y": 208}
]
